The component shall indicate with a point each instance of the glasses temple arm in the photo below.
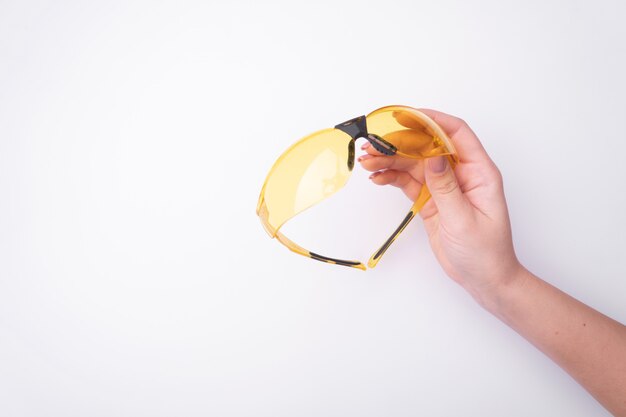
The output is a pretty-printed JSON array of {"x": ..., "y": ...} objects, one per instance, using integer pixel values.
[
  {"x": 423, "y": 197},
  {"x": 301, "y": 251}
]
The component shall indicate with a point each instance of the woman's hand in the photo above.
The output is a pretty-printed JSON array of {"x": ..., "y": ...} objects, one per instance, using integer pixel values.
[
  {"x": 466, "y": 219},
  {"x": 468, "y": 226}
]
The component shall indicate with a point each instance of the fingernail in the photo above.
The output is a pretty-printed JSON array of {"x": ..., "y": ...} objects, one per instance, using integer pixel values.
[
  {"x": 365, "y": 146},
  {"x": 438, "y": 164},
  {"x": 364, "y": 157},
  {"x": 374, "y": 174}
]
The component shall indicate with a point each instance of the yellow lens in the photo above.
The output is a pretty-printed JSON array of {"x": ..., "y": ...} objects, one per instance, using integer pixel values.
[
  {"x": 308, "y": 172},
  {"x": 412, "y": 132}
]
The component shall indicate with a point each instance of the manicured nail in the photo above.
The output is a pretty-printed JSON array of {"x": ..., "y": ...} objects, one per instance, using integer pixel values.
[
  {"x": 438, "y": 164},
  {"x": 365, "y": 146},
  {"x": 364, "y": 157}
]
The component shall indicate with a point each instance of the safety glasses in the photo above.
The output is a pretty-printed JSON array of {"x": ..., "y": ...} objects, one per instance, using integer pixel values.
[{"x": 320, "y": 164}]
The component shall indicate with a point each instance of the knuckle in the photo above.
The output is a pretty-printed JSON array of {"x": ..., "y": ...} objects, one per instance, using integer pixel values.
[
  {"x": 447, "y": 185},
  {"x": 371, "y": 164},
  {"x": 496, "y": 176},
  {"x": 490, "y": 175},
  {"x": 382, "y": 178},
  {"x": 402, "y": 180}
]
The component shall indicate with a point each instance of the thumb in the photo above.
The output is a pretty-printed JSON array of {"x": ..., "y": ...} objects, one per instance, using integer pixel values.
[{"x": 445, "y": 189}]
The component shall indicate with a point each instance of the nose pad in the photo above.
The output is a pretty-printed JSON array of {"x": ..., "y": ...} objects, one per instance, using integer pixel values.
[
  {"x": 351, "y": 155},
  {"x": 381, "y": 145}
]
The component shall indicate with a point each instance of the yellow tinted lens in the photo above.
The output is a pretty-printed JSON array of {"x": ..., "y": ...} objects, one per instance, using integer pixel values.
[
  {"x": 308, "y": 172},
  {"x": 410, "y": 131}
]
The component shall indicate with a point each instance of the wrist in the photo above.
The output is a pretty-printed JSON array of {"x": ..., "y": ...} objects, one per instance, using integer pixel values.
[{"x": 495, "y": 298}]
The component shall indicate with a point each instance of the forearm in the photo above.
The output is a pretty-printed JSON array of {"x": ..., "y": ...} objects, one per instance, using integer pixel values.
[{"x": 588, "y": 345}]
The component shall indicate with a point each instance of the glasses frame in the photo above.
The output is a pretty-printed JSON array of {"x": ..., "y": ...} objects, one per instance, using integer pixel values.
[{"x": 357, "y": 128}]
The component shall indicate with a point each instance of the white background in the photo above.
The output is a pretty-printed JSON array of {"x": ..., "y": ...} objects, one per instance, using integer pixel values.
[{"x": 136, "y": 279}]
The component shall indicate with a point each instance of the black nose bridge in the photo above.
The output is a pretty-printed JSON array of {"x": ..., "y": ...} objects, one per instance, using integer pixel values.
[{"x": 356, "y": 127}]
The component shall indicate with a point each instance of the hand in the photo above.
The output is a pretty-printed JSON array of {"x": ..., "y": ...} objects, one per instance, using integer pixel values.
[
  {"x": 468, "y": 226},
  {"x": 466, "y": 219}
]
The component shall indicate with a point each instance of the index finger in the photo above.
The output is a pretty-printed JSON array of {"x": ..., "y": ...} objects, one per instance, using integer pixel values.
[{"x": 464, "y": 139}]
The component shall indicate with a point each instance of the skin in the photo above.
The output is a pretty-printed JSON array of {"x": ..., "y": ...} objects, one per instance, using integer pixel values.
[{"x": 468, "y": 227}]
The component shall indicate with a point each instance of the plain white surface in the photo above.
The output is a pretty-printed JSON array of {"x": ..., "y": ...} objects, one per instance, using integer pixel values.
[{"x": 136, "y": 279}]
